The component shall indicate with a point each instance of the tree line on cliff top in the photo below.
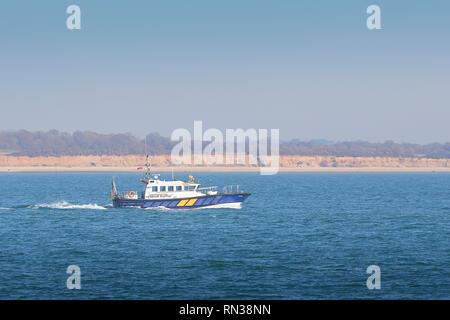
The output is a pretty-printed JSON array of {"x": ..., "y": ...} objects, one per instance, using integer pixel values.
[{"x": 55, "y": 143}]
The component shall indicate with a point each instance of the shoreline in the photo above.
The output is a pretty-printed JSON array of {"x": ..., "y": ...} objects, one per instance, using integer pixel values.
[
  {"x": 55, "y": 169},
  {"x": 163, "y": 163}
]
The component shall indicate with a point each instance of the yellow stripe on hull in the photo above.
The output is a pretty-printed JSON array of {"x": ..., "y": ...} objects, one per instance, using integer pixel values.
[
  {"x": 191, "y": 202},
  {"x": 182, "y": 203}
]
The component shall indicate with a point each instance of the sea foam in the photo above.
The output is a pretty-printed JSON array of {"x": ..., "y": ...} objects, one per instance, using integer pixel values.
[{"x": 67, "y": 205}]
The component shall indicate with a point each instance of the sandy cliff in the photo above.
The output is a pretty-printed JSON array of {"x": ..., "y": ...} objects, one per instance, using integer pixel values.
[{"x": 164, "y": 161}]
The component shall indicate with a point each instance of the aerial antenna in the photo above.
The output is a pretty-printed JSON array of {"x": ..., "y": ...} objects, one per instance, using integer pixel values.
[
  {"x": 145, "y": 146},
  {"x": 147, "y": 162}
]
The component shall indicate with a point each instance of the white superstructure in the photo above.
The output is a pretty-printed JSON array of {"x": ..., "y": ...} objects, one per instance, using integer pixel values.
[{"x": 163, "y": 189}]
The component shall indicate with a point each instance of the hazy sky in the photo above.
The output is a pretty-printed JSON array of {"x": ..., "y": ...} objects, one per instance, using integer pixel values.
[{"x": 310, "y": 68}]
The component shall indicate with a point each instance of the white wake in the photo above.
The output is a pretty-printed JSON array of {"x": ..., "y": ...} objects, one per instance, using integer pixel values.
[
  {"x": 67, "y": 205},
  {"x": 233, "y": 205},
  {"x": 158, "y": 208}
]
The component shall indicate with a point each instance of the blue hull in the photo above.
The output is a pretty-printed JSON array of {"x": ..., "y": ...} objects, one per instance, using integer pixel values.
[{"x": 188, "y": 203}]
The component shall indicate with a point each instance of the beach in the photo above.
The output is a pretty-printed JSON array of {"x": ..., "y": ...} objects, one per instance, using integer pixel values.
[
  {"x": 221, "y": 169},
  {"x": 162, "y": 163}
]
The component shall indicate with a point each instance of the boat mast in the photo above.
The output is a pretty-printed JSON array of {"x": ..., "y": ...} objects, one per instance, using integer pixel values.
[
  {"x": 147, "y": 162},
  {"x": 147, "y": 168}
]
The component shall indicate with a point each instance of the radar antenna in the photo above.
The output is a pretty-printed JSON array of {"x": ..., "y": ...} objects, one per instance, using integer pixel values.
[
  {"x": 147, "y": 175},
  {"x": 147, "y": 162},
  {"x": 147, "y": 168}
]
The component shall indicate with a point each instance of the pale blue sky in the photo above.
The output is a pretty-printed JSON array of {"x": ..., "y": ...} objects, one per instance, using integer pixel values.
[{"x": 310, "y": 68}]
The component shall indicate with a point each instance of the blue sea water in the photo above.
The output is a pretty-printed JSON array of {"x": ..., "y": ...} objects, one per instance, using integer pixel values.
[{"x": 299, "y": 236}]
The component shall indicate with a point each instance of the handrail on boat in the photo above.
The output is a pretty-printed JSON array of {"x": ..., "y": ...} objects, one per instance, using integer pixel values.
[
  {"x": 129, "y": 194},
  {"x": 207, "y": 188},
  {"x": 231, "y": 189}
]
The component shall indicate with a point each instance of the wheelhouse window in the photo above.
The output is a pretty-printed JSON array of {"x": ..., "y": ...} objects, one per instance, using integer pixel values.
[
  {"x": 154, "y": 189},
  {"x": 162, "y": 188},
  {"x": 179, "y": 188},
  {"x": 170, "y": 188}
]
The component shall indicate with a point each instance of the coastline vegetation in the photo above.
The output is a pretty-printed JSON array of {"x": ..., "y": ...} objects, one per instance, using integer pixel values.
[{"x": 56, "y": 143}]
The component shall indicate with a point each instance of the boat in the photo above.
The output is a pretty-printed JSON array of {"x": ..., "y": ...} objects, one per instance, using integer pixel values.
[{"x": 176, "y": 194}]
